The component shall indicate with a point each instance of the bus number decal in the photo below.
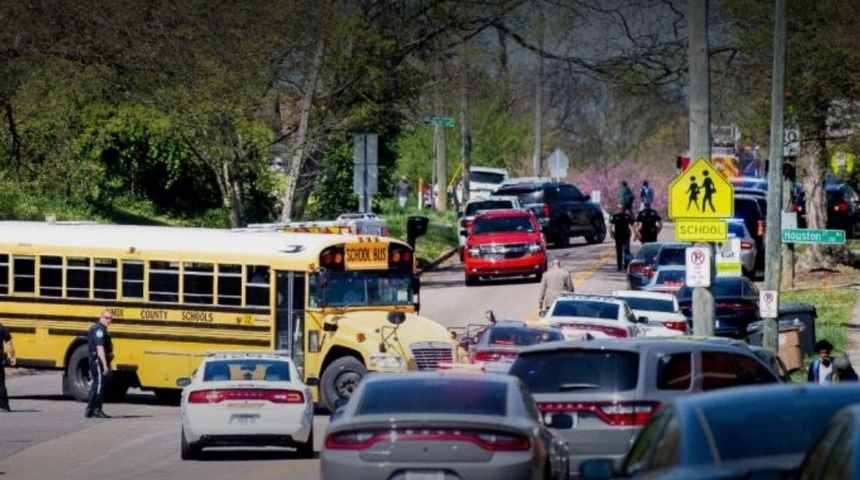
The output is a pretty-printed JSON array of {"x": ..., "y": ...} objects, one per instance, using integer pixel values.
[
  {"x": 366, "y": 255},
  {"x": 207, "y": 317},
  {"x": 153, "y": 314}
]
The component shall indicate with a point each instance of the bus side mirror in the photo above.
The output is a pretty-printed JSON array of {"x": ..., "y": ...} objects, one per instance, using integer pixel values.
[{"x": 416, "y": 226}]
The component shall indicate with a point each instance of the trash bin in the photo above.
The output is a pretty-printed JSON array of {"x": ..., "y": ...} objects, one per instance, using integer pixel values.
[
  {"x": 789, "y": 348},
  {"x": 793, "y": 315},
  {"x": 800, "y": 314}
]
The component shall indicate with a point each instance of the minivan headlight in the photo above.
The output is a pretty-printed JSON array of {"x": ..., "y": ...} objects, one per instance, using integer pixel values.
[{"x": 534, "y": 248}]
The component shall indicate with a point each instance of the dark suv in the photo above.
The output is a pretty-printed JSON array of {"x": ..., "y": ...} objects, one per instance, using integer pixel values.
[
  {"x": 843, "y": 209},
  {"x": 753, "y": 211},
  {"x": 563, "y": 211}
]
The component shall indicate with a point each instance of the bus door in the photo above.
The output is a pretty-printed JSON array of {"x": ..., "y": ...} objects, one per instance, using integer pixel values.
[{"x": 290, "y": 315}]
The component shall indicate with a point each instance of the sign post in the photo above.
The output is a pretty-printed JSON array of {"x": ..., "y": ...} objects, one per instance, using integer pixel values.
[
  {"x": 364, "y": 169},
  {"x": 558, "y": 165},
  {"x": 700, "y": 199}
]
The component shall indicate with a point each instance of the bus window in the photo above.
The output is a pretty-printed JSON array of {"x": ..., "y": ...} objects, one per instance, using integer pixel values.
[
  {"x": 163, "y": 281},
  {"x": 51, "y": 276},
  {"x": 257, "y": 286},
  {"x": 104, "y": 278},
  {"x": 197, "y": 283},
  {"x": 78, "y": 277},
  {"x": 4, "y": 274},
  {"x": 229, "y": 284},
  {"x": 132, "y": 279},
  {"x": 24, "y": 274}
]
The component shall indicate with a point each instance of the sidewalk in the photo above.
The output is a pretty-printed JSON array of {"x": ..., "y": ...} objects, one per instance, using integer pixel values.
[{"x": 853, "y": 325}]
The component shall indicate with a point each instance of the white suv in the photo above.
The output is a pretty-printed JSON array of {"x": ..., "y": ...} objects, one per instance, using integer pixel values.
[{"x": 483, "y": 181}]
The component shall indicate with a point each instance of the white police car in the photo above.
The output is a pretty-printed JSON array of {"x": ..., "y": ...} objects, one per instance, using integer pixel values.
[{"x": 246, "y": 399}]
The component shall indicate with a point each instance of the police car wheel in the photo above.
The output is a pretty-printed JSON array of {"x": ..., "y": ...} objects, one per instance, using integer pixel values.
[
  {"x": 306, "y": 450},
  {"x": 188, "y": 451}
]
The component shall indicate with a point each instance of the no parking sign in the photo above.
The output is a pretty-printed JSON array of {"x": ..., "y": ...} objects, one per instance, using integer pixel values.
[{"x": 698, "y": 267}]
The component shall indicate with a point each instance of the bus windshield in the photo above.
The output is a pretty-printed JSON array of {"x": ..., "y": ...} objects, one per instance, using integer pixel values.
[{"x": 330, "y": 288}]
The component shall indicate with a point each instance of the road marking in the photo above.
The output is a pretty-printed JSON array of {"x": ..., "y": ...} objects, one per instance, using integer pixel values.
[{"x": 583, "y": 275}]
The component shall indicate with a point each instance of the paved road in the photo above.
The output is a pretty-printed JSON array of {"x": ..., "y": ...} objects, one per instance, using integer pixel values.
[{"x": 48, "y": 438}]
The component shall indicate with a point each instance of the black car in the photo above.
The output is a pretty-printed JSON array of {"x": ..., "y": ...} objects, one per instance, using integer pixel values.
[
  {"x": 843, "y": 212},
  {"x": 563, "y": 210},
  {"x": 760, "y": 432},
  {"x": 642, "y": 267},
  {"x": 752, "y": 210},
  {"x": 736, "y": 301}
]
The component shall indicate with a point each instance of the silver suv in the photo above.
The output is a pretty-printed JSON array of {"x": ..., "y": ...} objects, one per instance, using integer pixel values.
[{"x": 598, "y": 394}]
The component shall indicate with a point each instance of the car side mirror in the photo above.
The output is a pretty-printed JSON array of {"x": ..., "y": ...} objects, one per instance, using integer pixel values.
[
  {"x": 542, "y": 313},
  {"x": 183, "y": 381},
  {"x": 312, "y": 382},
  {"x": 643, "y": 320},
  {"x": 586, "y": 198}
]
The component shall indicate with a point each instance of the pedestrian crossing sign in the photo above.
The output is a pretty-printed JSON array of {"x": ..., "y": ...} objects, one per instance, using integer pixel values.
[{"x": 701, "y": 191}]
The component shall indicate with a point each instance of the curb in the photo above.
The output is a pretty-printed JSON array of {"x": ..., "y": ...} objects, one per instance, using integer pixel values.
[{"x": 435, "y": 263}]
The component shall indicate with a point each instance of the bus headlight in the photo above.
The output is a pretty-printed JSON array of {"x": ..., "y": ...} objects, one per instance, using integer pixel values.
[{"x": 387, "y": 363}]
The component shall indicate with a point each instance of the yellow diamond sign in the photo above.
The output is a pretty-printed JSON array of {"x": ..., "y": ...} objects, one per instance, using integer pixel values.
[{"x": 701, "y": 192}]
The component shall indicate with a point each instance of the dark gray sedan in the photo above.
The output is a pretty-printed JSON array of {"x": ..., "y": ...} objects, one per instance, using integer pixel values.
[
  {"x": 734, "y": 433},
  {"x": 441, "y": 426}
]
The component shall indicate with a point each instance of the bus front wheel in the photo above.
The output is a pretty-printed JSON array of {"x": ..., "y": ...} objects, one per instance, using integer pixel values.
[
  {"x": 340, "y": 379},
  {"x": 78, "y": 374}
]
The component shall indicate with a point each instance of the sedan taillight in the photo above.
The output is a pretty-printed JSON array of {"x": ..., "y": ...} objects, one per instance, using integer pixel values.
[
  {"x": 494, "y": 355},
  {"x": 489, "y": 440},
  {"x": 615, "y": 414},
  {"x": 238, "y": 394}
]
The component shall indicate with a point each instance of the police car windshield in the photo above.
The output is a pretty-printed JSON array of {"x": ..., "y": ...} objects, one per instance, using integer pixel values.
[{"x": 358, "y": 289}]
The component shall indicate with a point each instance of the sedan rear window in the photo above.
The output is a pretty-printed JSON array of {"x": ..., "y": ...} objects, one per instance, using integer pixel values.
[
  {"x": 522, "y": 336},
  {"x": 650, "y": 304},
  {"x": 578, "y": 370},
  {"x": 475, "y": 207},
  {"x": 246, "y": 369},
  {"x": 446, "y": 396},
  {"x": 672, "y": 256},
  {"x": 585, "y": 308}
]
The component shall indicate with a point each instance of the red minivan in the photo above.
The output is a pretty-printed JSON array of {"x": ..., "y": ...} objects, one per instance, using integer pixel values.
[{"x": 504, "y": 243}]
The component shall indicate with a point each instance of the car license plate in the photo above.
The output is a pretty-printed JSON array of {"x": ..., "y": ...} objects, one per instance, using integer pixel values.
[
  {"x": 244, "y": 419},
  {"x": 426, "y": 475}
]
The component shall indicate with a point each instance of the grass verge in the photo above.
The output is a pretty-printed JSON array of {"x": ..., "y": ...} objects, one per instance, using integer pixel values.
[
  {"x": 834, "y": 308},
  {"x": 441, "y": 232}
]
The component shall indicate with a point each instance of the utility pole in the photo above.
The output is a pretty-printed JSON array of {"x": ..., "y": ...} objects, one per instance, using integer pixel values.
[
  {"x": 465, "y": 128},
  {"x": 773, "y": 234},
  {"x": 704, "y": 310},
  {"x": 440, "y": 201}
]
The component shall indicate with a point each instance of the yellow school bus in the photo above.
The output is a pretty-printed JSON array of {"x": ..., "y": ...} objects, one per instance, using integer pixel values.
[{"x": 342, "y": 305}]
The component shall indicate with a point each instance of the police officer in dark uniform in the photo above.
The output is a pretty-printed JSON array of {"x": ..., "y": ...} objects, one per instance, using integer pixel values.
[
  {"x": 621, "y": 229},
  {"x": 648, "y": 224},
  {"x": 101, "y": 353}
]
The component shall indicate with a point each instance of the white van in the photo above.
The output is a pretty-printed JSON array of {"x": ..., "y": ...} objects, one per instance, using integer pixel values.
[{"x": 485, "y": 180}]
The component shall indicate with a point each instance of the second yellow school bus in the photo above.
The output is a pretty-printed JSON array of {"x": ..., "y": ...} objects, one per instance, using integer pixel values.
[{"x": 342, "y": 304}]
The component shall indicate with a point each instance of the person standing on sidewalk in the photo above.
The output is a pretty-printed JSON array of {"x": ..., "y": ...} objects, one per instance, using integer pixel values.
[
  {"x": 402, "y": 192},
  {"x": 621, "y": 229},
  {"x": 555, "y": 281},
  {"x": 101, "y": 354},
  {"x": 7, "y": 358}
]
